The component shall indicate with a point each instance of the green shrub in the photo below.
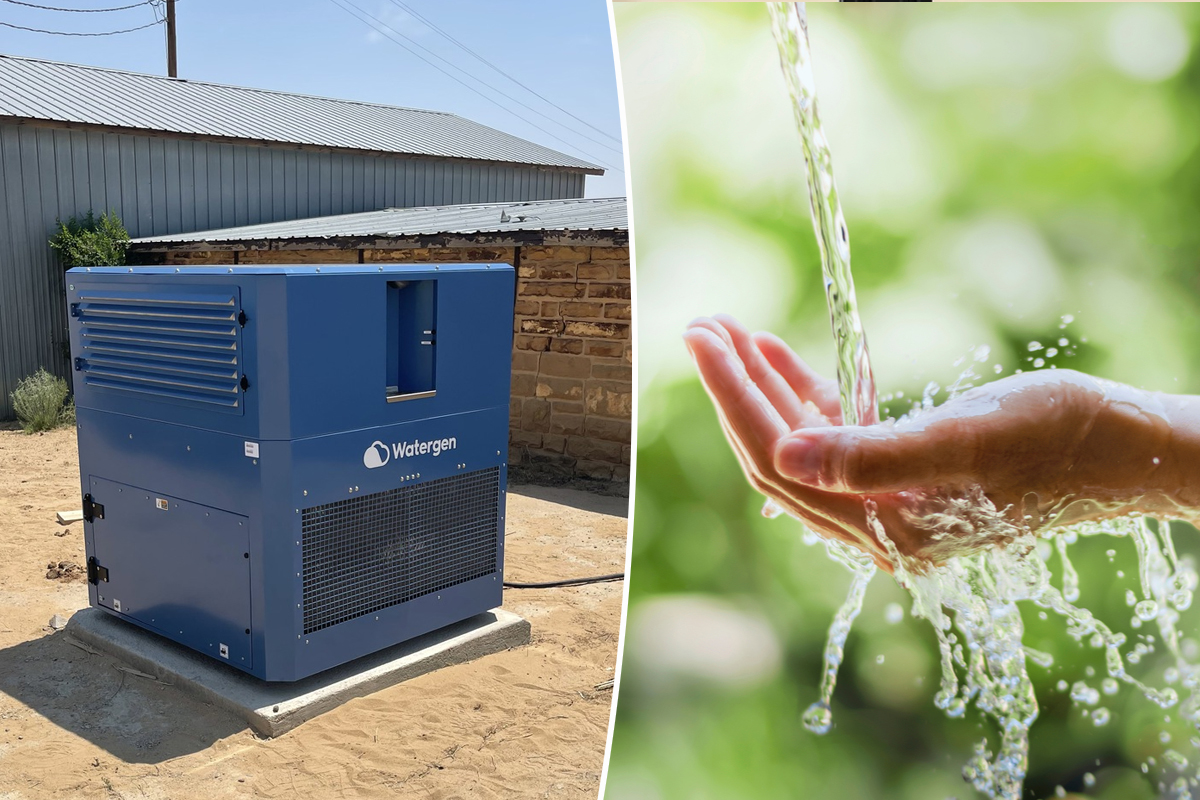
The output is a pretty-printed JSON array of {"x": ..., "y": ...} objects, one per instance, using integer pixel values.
[
  {"x": 91, "y": 242},
  {"x": 38, "y": 401}
]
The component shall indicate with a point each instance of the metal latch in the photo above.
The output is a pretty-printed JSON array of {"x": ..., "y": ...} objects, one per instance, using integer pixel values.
[
  {"x": 91, "y": 509},
  {"x": 95, "y": 572}
]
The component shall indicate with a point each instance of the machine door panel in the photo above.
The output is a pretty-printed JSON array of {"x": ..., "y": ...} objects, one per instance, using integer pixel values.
[{"x": 178, "y": 567}]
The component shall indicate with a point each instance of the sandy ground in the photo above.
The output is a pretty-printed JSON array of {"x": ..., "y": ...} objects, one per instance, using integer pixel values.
[{"x": 523, "y": 723}]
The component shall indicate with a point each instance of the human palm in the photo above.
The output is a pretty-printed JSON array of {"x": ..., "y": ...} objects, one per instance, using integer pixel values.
[{"x": 1048, "y": 447}]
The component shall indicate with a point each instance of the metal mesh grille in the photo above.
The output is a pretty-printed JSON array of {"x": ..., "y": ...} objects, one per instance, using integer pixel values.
[{"x": 375, "y": 551}]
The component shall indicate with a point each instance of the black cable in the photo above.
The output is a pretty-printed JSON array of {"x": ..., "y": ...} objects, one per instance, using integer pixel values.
[
  {"x": 616, "y": 576},
  {"x": 80, "y": 10},
  {"x": 73, "y": 33},
  {"x": 480, "y": 58}
]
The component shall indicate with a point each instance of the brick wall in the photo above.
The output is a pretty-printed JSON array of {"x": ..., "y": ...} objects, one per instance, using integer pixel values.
[
  {"x": 572, "y": 383},
  {"x": 572, "y": 399}
]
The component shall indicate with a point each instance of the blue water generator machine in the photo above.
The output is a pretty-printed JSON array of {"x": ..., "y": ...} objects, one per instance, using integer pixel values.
[{"x": 289, "y": 467}]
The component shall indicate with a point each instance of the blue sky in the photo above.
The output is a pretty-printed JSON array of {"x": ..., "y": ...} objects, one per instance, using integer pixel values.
[{"x": 559, "y": 48}]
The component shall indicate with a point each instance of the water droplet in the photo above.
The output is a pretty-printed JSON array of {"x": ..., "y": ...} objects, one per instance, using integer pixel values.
[
  {"x": 1082, "y": 693},
  {"x": 1063, "y": 342},
  {"x": 893, "y": 613},
  {"x": 1039, "y": 362},
  {"x": 809, "y": 538},
  {"x": 1062, "y": 686},
  {"x": 1110, "y": 554},
  {"x": 1130, "y": 598},
  {"x": 1060, "y": 791},
  {"x": 1156, "y": 460},
  {"x": 771, "y": 509},
  {"x": 879, "y": 659},
  {"x": 956, "y": 708},
  {"x": 996, "y": 368},
  {"x": 1120, "y": 573},
  {"x": 1182, "y": 599},
  {"x": 1089, "y": 780},
  {"x": 1100, "y": 717},
  {"x": 1097, "y": 640},
  {"x": 1033, "y": 347},
  {"x": 1147, "y": 610},
  {"x": 1175, "y": 759},
  {"x": 1067, "y": 319},
  {"x": 1171, "y": 675},
  {"x": 1052, "y": 352},
  {"x": 1164, "y": 737},
  {"x": 1109, "y": 686},
  {"x": 818, "y": 718}
]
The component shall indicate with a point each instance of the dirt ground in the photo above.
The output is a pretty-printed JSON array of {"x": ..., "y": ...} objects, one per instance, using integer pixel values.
[{"x": 524, "y": 723}]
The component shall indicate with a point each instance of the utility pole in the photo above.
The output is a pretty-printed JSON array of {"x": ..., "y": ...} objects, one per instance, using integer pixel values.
[{"x": 172, "y": 67}]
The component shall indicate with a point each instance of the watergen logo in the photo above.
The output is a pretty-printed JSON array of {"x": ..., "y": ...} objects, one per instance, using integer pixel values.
[{"x": 379, "y": 454}]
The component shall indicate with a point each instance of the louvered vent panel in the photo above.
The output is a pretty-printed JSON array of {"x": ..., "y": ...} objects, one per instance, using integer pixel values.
[
  {"x": 178, "y": 348},
  {"x": 379, "y": 550}
]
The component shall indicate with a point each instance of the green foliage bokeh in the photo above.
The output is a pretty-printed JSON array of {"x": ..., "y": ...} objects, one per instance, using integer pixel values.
[{"x": 1010, "y": 173}]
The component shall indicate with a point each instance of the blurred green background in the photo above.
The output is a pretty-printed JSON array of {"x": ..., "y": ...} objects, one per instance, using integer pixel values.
[{"x": 1001, "y": 166}]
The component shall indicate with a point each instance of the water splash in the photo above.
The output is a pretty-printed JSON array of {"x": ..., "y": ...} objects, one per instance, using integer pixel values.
[
  {"x": 818, "y": 717},
  {"x": 986, "y": 564}
]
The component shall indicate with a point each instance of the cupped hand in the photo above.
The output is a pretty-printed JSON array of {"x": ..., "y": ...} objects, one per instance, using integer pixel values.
[{"x": 1047, "y": 447}]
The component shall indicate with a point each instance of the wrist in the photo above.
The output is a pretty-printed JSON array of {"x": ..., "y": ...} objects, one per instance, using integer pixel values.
[
  {"x": 1128, "y": 461},
  {"x": 1177, "y": 481}
]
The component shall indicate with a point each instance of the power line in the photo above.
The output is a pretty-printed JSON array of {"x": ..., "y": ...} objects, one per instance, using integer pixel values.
[
  {"x": 480, "y": 80},
  {"x": 460, "y": 81},
  {"x": 480, "y": 58},
  {"x": 80, "y": 10},
  {"x": 73, "y": 33}
]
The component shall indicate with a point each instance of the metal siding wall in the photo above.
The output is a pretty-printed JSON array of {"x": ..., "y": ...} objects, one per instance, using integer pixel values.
[{"x": 162, "y": 185}]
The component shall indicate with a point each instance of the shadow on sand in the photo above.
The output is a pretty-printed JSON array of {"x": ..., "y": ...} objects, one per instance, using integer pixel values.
[{"x": 136, "y": 719}]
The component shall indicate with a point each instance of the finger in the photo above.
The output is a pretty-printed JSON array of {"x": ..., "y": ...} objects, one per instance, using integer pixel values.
[
  {"x": 832, "y": 516},
  {"x": 711, "y": 324},
  {"x": 751, "y": 418},
  {"x": 773, "y": 387},
  {"x": 752, "y": 427},
  {"x": 751, "y": 423},
  {"x": 878, "y": 459},
  {"x": 803, "y": 380}
]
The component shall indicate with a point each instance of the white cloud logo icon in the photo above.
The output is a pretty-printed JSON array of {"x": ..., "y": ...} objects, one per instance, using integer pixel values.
[{"x": 376, "y": 455}]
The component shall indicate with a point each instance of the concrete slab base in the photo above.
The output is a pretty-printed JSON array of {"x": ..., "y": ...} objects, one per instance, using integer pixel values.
[{"x": 275, "y": 708}]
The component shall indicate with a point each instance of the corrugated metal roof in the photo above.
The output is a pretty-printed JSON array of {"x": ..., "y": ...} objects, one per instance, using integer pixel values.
[
  {"x": 66, "y": 93},
  {"x": 606, "y": 214}
]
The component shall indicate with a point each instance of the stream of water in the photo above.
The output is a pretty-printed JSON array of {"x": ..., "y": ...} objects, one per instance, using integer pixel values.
[{"x": 971, "y": 599}]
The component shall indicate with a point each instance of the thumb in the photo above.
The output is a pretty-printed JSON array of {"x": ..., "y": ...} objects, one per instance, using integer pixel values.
[{"x": 873, "y": 459}]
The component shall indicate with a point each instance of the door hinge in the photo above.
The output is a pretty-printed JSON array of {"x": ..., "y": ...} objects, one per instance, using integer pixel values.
[
  {"x": 95, "y": 572},
  {"x": 91, "y": 509}
]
